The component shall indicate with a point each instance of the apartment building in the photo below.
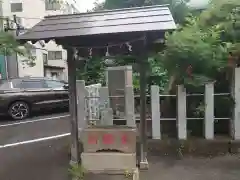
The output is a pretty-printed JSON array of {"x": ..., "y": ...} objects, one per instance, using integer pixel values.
[{"x": 50, "y": 59}]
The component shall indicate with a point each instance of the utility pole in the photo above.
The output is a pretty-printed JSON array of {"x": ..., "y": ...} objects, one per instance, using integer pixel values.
[{"x": 18, "y": 26}]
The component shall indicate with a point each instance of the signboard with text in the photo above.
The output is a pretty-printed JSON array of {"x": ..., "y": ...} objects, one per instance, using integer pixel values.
[{"x": 121, "y": 139}]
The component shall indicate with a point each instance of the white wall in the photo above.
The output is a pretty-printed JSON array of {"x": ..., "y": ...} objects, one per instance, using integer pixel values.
[
  {"x": 33, "y": 12},
  {"x": 35, "y": 71},
  {"x": 51, "y": 46}
]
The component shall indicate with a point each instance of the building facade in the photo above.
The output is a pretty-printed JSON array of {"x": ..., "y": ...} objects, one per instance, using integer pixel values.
[{"x": 50, "y": 59}]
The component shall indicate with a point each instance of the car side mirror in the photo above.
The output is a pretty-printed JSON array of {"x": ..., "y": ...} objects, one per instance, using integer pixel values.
[{"x": 65, "y": 86}]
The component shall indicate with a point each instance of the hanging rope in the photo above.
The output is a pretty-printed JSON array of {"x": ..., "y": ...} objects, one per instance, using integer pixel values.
[{"x": 127, "y": 43}]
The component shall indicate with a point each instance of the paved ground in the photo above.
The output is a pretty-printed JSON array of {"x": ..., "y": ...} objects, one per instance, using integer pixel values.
[
  {"x": 34, "y": 128},
  {"x": 50, "y": 162},
  {"x": 33, "y": 150},
  {"x": 221, "y": 168}
]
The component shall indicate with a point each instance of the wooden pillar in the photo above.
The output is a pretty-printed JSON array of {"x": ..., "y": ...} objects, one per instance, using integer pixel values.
[
  {"x": 209, "y": 111},
  {"x": 75, "y": 154},
  {"x": 143, "y": 122},
  {"x": 181, "y": 112},
  {"x": 155, "y": 108}
]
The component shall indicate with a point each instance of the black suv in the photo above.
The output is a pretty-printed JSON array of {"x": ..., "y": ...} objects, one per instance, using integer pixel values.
[{"x": 20, "y": 97}]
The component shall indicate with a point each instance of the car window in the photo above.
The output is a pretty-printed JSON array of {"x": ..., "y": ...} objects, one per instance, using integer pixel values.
[
  {"x": 54, "y": 84},
  {"x": 16, "y": 83},
  {"x": 4, "y": 84},
  {"x": 32, "y": 84}
]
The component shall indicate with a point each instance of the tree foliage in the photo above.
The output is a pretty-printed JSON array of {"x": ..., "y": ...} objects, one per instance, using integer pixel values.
[
  {"x": 9, "y": 46},
  {"x": 194, "y": 55},
  {"x": 225, "y": 15},
  {"x": 203, "y": 44}
]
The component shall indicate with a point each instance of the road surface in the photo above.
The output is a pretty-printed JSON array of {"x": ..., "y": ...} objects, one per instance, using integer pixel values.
[{"x": 35, "y": 128}]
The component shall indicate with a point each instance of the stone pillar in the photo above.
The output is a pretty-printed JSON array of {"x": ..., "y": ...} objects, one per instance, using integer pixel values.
[
  {"x": 81, "y": 94},
  {"x": 236, "y": 115},
  {"x": 129, "y": 106},
  {"x": 119, "y": 81},
  {"x": 181, "y": 112},
  {"x": 209, "y": 111},
  {"x": 155, "y": 108},
  {"x": 103, "y": 98},
  {"x": 107, "y": 117}
]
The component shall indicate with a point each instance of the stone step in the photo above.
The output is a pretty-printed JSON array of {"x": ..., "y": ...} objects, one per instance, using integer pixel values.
[
  {"x": 110, "y": 161},
  {"x": 114, "y": 175}
]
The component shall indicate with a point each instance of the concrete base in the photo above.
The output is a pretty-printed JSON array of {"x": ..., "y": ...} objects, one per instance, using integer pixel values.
[
  {"x": 144, "y": 165},
  {"x": 102, "y": 162},
  {"x": 113, "y": 176}
]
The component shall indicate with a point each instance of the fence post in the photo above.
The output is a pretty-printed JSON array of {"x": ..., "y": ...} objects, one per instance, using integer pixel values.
[
  {"x": 155, "y": 108},
  {"x": 236, "y": 115},
  {"x": 81, "y": 93},
  {"x": 103, "y": 98},
  {"x": 181, "y": 112},
  {"x": 129, "y": 106},
  {"x": 209, "y": 111}
]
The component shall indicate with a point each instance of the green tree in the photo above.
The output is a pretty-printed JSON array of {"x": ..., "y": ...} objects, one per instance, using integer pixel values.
[
  {"x": 203, "y": 44},
  {"x": 9, "y": 45},
  {"x": 193, "y": 55},
  {"x": 198, "y": 51},
  {"x": 225, "y": 15}
]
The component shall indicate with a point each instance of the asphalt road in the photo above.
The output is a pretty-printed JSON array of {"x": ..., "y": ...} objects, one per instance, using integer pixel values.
[
  {"x": 34, "y": 128},
  {"x": 38, "y": 149},
  {"x": 46, "y": 160}
]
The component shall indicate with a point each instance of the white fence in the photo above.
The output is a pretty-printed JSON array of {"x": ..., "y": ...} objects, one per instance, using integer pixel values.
[
  {"x": 97, "y": 95},
  {"x": 182, "y": 119}
]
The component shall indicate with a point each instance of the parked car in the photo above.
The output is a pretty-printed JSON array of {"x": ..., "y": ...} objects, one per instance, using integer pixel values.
[{"x": 20, "y": 97}]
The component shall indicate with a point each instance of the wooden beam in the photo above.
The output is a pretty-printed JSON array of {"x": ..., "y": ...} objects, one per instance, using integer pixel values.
[{"x": 75, "y": 153}]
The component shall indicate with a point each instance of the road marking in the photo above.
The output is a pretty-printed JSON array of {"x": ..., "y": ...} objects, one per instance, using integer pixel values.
[
  {"x": 32, "y": 121},
  {"x": 34, "y": 141}
]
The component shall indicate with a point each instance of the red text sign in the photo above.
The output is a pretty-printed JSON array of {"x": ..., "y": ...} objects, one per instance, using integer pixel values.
[
  {"x": 124, "y": 139},
  {"x": 92, "y": 139},
  {"x": 108, "y": 139}
]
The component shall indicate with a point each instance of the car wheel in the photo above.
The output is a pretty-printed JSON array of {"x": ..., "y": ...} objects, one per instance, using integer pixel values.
[{"x": 19, "y": 110}]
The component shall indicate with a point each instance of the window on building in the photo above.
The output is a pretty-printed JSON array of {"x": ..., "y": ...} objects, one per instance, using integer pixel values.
[
  {"x": 51, "y": 5},
  {"x": 54, "y": 75},
  {"x": 45, "y": 58},
  {"x": 54, "y": 55},
  {"x": 16, "y": 7}
]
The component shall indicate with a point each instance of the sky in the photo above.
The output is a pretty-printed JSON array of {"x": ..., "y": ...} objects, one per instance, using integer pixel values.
[{"x": 89, "y": 4}]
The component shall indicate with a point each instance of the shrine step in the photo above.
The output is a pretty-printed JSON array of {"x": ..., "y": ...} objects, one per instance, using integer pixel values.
[
  {"x": 110, "y": 161},
  {"x": 113, "y": 175}
]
